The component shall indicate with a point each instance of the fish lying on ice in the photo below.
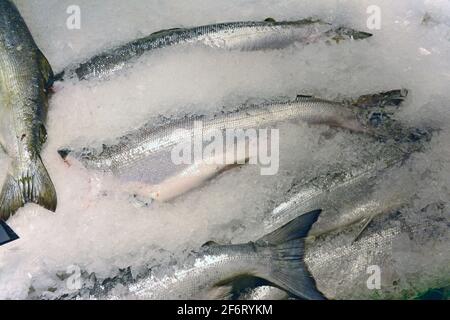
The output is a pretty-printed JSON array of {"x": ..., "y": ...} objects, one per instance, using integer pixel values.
[
  {"x": 209, "y": 272},
  {"x": 247, "y": 36},
  {"x": 408, "y": 249},
  {"x": 146, "y": 147},
  {"x": 409, "y": 246},
  {"x": 25, "y": 77},
  {"x": 349, "y": 194}
]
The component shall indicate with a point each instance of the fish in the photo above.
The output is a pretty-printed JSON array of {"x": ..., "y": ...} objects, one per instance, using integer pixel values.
[
  {"x": 407, "y": 249},
  {"x": 245, "y": 36},
  {"x": 276, "y": 257},
  {"x": 209, "y": 272},
  {"x": 25, "y": 80},
  {"x": 153, "y": 144},
  {"x": 355, "y": 192}
]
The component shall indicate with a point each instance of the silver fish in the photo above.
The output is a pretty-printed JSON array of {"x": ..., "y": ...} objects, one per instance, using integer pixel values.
[
  {"x": 25, "y": 77},
  {"x": 209, "y": 272},
  {"x": 410, "y": 248},
  {"x": 249, "y": 35},
  {"x": 407, "y": 249},
  {"x": 154, "y": 144},
  {"x": 348, "y": 193}
]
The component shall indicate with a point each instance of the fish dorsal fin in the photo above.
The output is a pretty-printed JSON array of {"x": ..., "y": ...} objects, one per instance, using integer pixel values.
[
  {"x": 165, "y": 31},
  {"x": 296, "y": 229},
  {"x": 209, "y": 244},
  {"x": 303, "y": 96},
  {"x": 269, "y": 20}
]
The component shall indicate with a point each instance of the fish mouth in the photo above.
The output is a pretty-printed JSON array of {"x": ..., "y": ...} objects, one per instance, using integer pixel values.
[{"x": 64, "y": 152}]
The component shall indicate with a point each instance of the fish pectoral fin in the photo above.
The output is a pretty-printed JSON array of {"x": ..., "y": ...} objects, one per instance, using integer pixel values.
[
  {"x": 366, "y": 224},
  {"x": 6, "y": 233},
  {"x": 301, "y": 97}
]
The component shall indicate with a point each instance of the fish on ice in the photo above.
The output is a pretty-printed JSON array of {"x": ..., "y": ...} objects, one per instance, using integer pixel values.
[
  {"x": 245, "y": 36},
  {"x": 148, "y": 148},
  {"x": 25, "y": 78}
]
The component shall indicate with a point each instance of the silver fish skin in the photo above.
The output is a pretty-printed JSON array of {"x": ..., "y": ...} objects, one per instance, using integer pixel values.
[
  {"x": 210, "y": 272},
  {"x": 409, "y": 248},
  {"x": 248, "y": 36},
  {"x": 25, "y": 77},
  {"x": 350, "y": 193},
  {"x": 146, "y": 142},
  {"x": 275, "y": 258}
]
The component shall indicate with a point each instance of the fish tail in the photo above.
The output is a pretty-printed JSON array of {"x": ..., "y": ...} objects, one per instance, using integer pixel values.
[
  {"x": 376, "y": 110},
  {"x": 27, "y": 184},
  {"x": 6, "y": 233},
  {"x": 284, "y": 249}
]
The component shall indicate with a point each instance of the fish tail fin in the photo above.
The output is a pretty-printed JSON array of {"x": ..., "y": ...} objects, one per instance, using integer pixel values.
[
  {"x": 375, "y": 110},
  {"x": 6, "y": 233},
  {"x": 284, "y": 248},
  {"x": 28, "y": 184}
]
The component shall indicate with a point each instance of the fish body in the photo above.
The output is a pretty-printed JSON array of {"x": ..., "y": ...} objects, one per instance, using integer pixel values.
[
  {"x": 147, "y": 142},
  {"x": 276, "y": 257},
  {"x": 248, "y": 36},
  {"x": 25, "y": 77},
  {"x": 349, "y": 194},
  {"x": 401, "y": 256},
  {"x": 408, "y": 249},
  {"x": 209, "y": 273}
]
